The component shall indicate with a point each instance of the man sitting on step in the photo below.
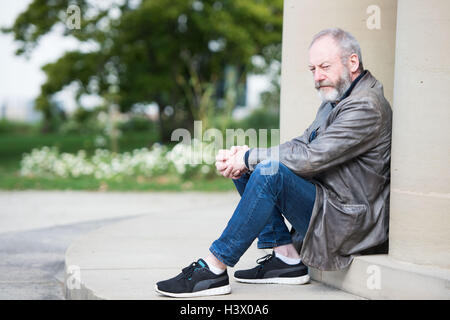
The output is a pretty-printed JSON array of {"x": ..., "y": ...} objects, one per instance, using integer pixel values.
[{"x": 331, "y": 184}]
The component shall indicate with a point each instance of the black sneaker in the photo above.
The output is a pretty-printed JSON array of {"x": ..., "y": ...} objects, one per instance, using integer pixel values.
[
  {"x": 270, "y": 269},
  {"x": 194, "y": 281}
]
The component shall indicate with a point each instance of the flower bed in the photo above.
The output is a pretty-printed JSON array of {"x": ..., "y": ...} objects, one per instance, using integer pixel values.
[{"x": 184, "y": 160}]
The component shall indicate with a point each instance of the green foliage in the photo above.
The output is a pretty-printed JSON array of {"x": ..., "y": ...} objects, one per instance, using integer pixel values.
[
  {"x": 259, "y": 119},
  {"x": 137, "y": 123},
  {"x": 172, "y": 52},
  {"x": 10, "y": 180},
  {"x": 12, "y": 146},
  {"x": 83, "y": 122},
  {"x": 8, "y": 127}
]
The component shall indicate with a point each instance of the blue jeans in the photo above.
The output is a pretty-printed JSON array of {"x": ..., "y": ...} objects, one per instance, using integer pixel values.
[{"x": 265, "y": 198}]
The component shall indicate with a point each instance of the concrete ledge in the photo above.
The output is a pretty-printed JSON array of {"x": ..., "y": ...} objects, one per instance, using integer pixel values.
[
  {"x": 382, "y": 277},
  {"x": 125, "y": 260}
]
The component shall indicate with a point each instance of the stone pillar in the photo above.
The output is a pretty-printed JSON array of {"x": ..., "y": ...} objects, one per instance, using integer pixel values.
[
  {"x": 372, "y": 22},
  {"x": 420, "y": 188}
]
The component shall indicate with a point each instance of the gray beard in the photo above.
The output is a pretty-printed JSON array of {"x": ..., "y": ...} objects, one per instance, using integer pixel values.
[{"x": 339, "y": 89}]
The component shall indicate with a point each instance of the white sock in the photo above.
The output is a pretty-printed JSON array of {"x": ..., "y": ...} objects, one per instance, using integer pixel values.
[
  {"x": 287, "y": 260},
  {"x": 214, "y": 269}
]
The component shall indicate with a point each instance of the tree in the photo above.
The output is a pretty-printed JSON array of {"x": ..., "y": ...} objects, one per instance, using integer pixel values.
[{"x": 172, "y": 52}]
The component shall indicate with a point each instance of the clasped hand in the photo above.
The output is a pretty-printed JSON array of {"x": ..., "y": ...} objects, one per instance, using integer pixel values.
[{"x": 230, "y": 163}]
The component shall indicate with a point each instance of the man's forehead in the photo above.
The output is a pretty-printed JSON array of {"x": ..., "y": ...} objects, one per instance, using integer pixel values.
[{"x": 323, "y": 50}]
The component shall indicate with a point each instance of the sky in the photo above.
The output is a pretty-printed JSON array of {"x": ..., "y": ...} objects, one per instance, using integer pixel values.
[{"x": 21, "y": 78}]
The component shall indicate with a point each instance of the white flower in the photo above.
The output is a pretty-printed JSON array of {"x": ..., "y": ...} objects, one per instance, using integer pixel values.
[
  {"x": 205, "y": 169},
  {"x": 104, "y": 164}
]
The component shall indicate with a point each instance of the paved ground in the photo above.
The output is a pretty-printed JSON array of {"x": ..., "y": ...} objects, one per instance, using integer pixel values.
[
  {"x": 32, "y": 262},
  {"x": 122, "y": 242},
  {"x": 125, "y": 260},
  {"x": 36, "y": 228}
]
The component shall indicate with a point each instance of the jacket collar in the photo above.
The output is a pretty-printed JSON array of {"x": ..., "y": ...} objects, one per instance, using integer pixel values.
[{"x": 350, "y": 89}]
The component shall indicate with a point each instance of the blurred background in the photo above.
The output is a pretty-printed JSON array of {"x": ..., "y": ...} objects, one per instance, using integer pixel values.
[{"x": 90, "y": 91}]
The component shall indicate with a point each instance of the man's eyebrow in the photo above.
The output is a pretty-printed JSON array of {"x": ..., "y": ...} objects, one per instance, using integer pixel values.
[{"x": 321, "y": 64}]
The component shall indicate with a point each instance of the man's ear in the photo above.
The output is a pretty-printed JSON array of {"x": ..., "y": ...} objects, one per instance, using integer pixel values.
[{"x": 353, "y": 62}]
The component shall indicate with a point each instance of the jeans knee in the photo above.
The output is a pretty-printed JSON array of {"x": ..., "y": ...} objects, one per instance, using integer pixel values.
[{"x": 269, "y": 168}]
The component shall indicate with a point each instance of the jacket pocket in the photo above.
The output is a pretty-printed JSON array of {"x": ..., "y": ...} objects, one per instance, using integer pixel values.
[{"x": 345, "y": 222}]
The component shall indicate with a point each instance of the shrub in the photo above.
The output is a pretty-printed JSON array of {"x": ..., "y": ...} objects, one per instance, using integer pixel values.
[
  {"x": 49, "y": 162},
  {"x": 137, "y": 124},
  {"x": 259, "y": 118},
  {"x": 17, "y": 127}
]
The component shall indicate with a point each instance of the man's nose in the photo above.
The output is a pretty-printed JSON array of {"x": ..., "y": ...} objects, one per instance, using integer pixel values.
[{"x": 318, "y": 76}]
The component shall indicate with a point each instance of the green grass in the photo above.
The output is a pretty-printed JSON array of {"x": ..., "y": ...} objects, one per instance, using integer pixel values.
[
  {"x": 13, "y": 146},
  {"x": 12, "y": 181}
]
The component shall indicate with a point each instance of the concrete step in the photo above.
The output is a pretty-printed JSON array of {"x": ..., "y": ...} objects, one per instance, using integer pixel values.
[
  {"x": 126, "y": 259},
  {"x": 382, "y": 277}
]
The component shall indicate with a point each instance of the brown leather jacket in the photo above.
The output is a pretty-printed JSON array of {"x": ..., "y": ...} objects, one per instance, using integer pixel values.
[{"x": 349, "y": 162}]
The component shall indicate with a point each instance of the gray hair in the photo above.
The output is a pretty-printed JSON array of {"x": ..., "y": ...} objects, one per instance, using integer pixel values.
[{"x": 348, "y": 44}]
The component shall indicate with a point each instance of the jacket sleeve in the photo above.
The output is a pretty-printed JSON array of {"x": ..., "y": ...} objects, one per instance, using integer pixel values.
[{"x": 354, "y": 131}]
